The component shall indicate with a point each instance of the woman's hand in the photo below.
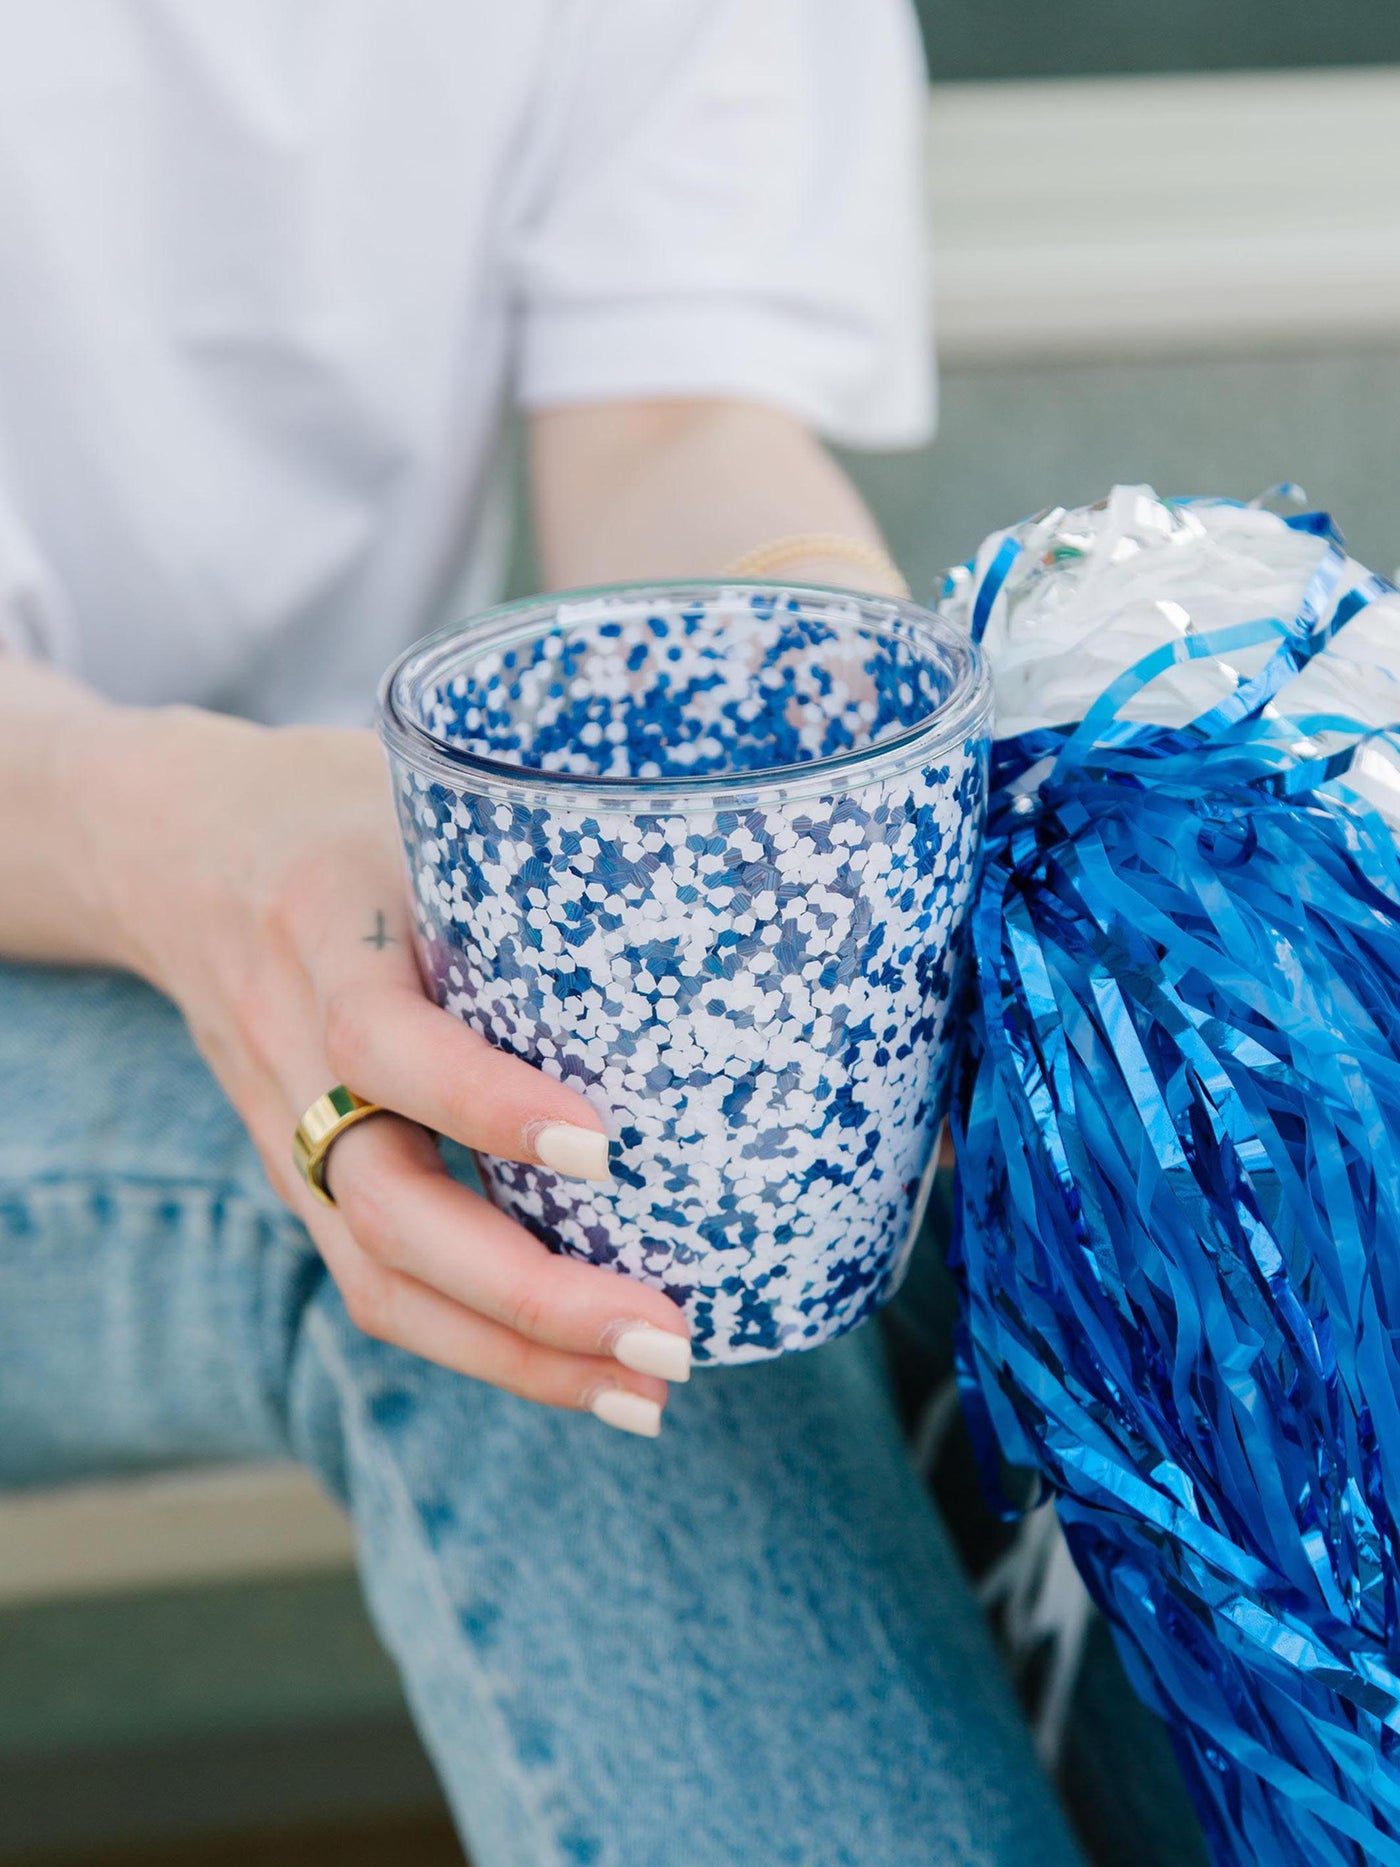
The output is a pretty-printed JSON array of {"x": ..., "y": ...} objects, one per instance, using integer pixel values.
[{"x": 254, "y": 876}]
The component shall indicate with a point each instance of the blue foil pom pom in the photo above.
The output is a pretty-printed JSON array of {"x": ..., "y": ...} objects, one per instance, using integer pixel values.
[{"x": 1177, "y": 1122}]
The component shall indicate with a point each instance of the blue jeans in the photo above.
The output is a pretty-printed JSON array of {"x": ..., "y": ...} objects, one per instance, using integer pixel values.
[{"x": 747, "y": 1642}]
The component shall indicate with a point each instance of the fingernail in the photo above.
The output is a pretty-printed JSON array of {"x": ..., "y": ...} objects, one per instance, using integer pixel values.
[
  {"x": 582, "y": 1153},
  {"x": 628, "y": 1412},
  {"x": 653, "y": 1351}
]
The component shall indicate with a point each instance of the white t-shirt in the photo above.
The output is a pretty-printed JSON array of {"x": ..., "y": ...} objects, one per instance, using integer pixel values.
[{"x": 270, "y": 273}]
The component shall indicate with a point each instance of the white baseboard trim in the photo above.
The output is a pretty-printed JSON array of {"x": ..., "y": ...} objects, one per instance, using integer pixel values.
[
  {"x": 1092, "y": 216},
  {"x": 186, "y": 1528}
]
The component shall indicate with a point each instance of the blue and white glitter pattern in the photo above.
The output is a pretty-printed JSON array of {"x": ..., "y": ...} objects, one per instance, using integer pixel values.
[{"x": 754, "y": 997}]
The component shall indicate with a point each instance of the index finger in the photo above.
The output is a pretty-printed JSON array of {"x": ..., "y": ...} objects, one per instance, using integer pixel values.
[{"x": 390, "y": 1044}]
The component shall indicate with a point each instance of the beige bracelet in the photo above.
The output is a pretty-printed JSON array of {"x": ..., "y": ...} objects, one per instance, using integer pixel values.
[{"x": 768, "y": 558}]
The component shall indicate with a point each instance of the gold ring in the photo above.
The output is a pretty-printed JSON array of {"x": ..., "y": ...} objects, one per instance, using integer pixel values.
[{"x": 320, "y": 1128}]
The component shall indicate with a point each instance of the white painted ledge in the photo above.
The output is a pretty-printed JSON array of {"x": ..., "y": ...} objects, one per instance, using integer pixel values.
[
  {"x": 1093, "y": 216},
  {"x": 187, "y": 1528}
]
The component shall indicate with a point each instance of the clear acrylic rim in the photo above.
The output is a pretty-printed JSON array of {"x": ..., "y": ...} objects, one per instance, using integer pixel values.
[{"x": 964, "y": 715}]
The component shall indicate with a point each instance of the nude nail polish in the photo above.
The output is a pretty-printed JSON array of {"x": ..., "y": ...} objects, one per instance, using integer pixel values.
[
  {"x": 653, "y": 1351},
  {"x": 628, "y": 1412},
  {"x": 582, "y": 1153}
]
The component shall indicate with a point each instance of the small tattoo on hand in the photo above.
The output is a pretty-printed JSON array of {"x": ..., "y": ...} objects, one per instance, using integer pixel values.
[{"x": 381, "y": 937}]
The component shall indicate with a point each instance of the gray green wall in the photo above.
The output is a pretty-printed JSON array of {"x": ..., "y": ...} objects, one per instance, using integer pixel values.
[
  {"x": 1071, "y": 38},
  {"x": 1015, "y": 437}
]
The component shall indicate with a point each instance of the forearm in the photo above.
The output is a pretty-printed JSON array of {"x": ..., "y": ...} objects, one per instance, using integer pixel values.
[
  {"x": 50, "y": 728},
  {"x": 628, "y": 490},
  {"x": 677, "y": 489},
  {"x": 83, "y": 809}
]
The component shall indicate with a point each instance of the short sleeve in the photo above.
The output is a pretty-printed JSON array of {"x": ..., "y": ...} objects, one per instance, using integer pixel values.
[{"x": 732, "y": 205}]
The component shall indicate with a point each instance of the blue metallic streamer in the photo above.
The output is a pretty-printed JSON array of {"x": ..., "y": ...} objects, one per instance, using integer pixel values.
[
  {"x": 990, "y": 587},
  {"x": 1177, "y": 1122}
]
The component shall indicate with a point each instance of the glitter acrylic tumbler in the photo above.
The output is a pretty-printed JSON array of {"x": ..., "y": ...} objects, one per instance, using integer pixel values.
[{"x": 704, "y": 851}]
